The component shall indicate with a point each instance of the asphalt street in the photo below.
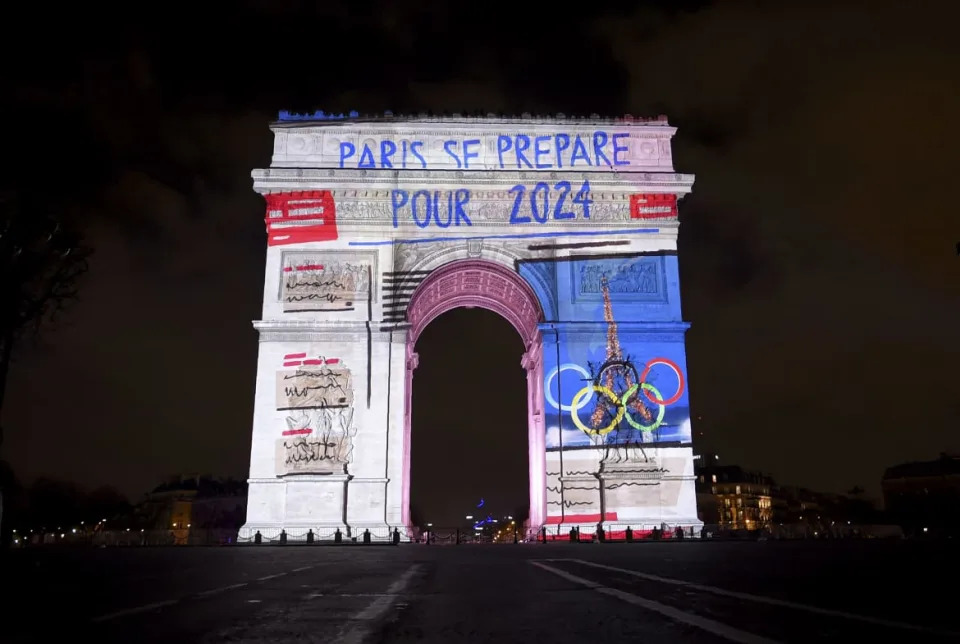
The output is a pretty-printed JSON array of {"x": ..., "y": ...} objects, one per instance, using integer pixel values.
[{"x": 651, "y": 592}]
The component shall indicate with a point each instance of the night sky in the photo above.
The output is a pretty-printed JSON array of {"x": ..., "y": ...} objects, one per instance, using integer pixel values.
[{"x": 818, "y": 252}]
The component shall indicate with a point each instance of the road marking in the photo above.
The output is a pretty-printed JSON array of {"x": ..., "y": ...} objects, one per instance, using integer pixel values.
[
  {"x": 302, "y": 568},
  {"x": 761, "y": 599},
  {"x": 709, "y": 625},
  {"x": 279, "y": 574},
  {"x": 214, "y": 591},
  {"x": 365, "y": 619},
  {"x": 132, "y": 611},
  {"x": 315, "y": 595}
]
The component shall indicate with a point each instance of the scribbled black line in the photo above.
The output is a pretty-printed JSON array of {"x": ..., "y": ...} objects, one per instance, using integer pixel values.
[
  {"x": 553, "y": 473},
  {"x": 569, "y": 504},
  {"x": 329, "y": 297},
  {"x": 320, "y": 406},
  {"x": 402, "y": 273},
  {"x": 632, "y": 483},
  {"x": 294, "y": 283},
  {"x": 579, "y": 245},
  {"x": 553, "y": 489},
  {"x": 579, "y": 472},
  {"x": 309, "y": 451},
  {"x": 642, "y": 471},
  {"x": 369, "y": 335},
  {"x": 303, "y": 392},
  {"x": 310, "y": 373},
  {"x": 326, "y": 308},
  {"x": 335, "y": 382}
]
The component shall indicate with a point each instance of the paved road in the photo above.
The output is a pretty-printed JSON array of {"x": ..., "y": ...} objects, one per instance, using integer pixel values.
[{"x": 651, "y": 592}]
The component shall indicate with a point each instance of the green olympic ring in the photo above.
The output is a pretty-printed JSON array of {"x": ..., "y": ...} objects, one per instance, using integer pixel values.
[{"x": 663, "y": 408}]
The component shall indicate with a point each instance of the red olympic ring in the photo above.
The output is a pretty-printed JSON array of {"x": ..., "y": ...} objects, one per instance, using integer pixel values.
[{"x": 673, "y": 365}]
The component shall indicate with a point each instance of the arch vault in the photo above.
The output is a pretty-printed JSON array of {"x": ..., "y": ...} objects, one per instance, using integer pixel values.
[
  {"x": 483, "y": 284},
  {"x": 565, "y": 227}
]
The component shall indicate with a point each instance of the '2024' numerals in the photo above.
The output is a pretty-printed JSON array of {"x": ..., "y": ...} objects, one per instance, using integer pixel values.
[{"x": 541, "y": 197}]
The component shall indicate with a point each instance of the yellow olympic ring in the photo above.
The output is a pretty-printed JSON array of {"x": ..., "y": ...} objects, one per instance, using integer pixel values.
[
  {"x": 575, "y": 406},
  {"x": 663, "y": 408}
]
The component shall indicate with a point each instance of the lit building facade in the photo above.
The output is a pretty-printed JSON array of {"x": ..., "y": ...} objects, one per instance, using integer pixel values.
[
  {"x": 733, "y": 498},
  {"x": 565, "y": 227}
]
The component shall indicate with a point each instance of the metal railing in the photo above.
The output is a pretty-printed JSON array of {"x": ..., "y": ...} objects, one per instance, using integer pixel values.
[{"x": 383, "y": 535}]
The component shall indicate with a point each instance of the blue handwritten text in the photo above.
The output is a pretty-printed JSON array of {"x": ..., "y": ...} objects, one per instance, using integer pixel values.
[{"x": 522, "y": 151}]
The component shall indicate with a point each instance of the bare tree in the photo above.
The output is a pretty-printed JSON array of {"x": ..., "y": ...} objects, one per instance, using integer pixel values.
[{"x": 41, "y": 260}]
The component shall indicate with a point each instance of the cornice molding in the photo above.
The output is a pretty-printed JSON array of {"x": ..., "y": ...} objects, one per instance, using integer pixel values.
[
  {"x": 274, "y": 179},
  {"x": 323, "y": 331}
]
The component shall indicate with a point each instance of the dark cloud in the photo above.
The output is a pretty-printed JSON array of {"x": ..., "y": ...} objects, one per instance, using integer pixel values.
[{"x": 817, "y": 251}]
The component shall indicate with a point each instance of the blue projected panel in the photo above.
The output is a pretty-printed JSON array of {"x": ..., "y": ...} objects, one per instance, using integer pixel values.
[{"x": 616, "y": 374}]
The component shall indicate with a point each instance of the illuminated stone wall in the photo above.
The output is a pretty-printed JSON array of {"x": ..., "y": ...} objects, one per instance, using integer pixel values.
[{"x": 567, "y": 228}]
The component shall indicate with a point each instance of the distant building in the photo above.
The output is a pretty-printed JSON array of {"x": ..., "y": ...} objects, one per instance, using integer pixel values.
[
  {"x": 731, "y": 497},
  {"x": 185, "y": 504},
  {"x": 924, "y": 497}
]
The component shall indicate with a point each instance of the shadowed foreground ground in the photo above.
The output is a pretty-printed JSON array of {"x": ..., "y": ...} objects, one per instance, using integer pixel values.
[{"x": 660, "y": 592}]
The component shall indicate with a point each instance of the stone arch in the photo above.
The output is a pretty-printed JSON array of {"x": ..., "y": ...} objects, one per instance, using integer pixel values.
[
  {"x": 421, "y": 261},
  {"x": 485, "y": 284}
]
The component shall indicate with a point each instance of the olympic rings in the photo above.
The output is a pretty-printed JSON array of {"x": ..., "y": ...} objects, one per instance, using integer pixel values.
[
  {"x": 587, "y": 391},
  {"x": 646, "y": 372},
  {"x": 617, "y": 364},
  {"x": 557, "y": 371},
  {"x": 646, "y": 387}
]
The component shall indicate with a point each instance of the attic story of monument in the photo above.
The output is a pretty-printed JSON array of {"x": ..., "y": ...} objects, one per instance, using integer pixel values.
[{"x": 565, "y": 227}]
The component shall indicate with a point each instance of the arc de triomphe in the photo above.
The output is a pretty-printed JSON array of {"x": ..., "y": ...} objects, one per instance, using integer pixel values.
[{"x": 565, "y": 227}]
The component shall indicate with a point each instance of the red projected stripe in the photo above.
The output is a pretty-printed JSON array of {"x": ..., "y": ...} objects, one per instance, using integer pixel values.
[
  {"x": 306, "y": 362},
  {"x": 314, "y": 206},
  {"x": 653, "y": 206},
  {"x": 333, "y": 360},
  {"x": 305, "y": 267},
  {"x": 297, "y": 432},
  {"x": 294, "y": 356},
  {"x": 610, "y": 535},
  {"x": 295, "y": 363}
]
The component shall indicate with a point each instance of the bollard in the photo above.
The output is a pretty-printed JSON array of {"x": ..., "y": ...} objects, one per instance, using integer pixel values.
[
  {"x": 283, "y": 537},
  {"x": 396, "y": 537},
  {"x": 338, "y": 536},
  {"x": 258, "y": 538},
  {"x": 310, "y": 535},
  {"x": 458, "y": 536},
  {"x": 515, "y": 536},
  {"x": 601, "y": 536},
  {"x": 629, "y": 534},
  {"x": 366, "y": 536}
]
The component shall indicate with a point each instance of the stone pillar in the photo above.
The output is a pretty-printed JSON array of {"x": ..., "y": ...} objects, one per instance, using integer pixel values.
[
  {"x": 412, "y": 360},
  {"x": 532, "y": 361}
]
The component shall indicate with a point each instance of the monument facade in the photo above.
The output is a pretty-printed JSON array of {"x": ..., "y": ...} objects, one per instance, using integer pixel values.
[{"x": 565, "y": 227}]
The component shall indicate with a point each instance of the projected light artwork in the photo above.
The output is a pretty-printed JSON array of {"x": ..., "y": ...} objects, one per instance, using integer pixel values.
[{"x": 565, "y": 227}]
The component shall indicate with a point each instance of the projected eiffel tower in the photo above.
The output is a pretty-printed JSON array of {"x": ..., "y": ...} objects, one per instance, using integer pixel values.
[{"x": 615, "y": 370}]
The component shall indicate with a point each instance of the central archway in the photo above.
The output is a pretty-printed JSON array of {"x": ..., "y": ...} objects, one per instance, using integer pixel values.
[{"x": 488, "y": 285}]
